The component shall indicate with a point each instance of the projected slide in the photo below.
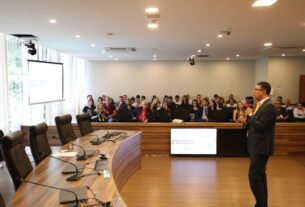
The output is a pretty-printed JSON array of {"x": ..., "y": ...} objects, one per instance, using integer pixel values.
[
  {"x": 194, "y": 141},
  {"x": 45, "y": 82}
]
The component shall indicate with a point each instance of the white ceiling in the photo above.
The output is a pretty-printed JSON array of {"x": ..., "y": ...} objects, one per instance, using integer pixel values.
[{"x": 184, "y": 27}]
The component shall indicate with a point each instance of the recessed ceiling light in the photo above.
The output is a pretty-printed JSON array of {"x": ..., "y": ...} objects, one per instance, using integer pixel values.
[
  {"x": 303, "y": 50},
  {"x": 283, "y": 55},
  {"x": 237, "y": 55},
  {"x": 155, "y": 59},
  {"x": 77, "y": 36},
  {"x": 110, "y": 56},
  {"x": 152, "y": 10},
  {"x": 116, "y": 59},
  {"x": 207, "y": 44},
  {"x": 152, "y": 26},
  {"x": 227, "y": 58},
  {"x": 193, "y": 56},
  {"x": 103, "y": 51},
  {"x": 52, "y": 21},
  {"x": 154, "y": 56},
  {"x": 263, "y": 3},
  {"x": 268, "y": 44},
  {"x": 220, "y": 36},
  {"x": 92, "y": 45},
  {"x": 199, "y": 51}
]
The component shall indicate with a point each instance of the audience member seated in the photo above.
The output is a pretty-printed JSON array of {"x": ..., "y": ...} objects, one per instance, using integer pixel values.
[
  {"x": 99, "y": 101},
  {"x": 142, "y": 113},
  {"x": 231, "y": 104},
  {"x": 171, "y": 106},
  {"x": 137, "y": 102},
  {"x": 194, "y": 115},
  {"x": 249, "y": 102},
  {"x": 185, "y": 103},
  {"x": 280, "y": 99},
  {"x": 204, "y": 112},
  {"x": 299, "y": 113},
  {"x": 219, "y": 103},
  {"x": 199, "y": 100},
  {"x": 90, "y": 108},
  {"x": 239, "y": 114},
  {"x": 231, "y": 96},
  {"x": 177, "y": 100},
  {"x": 155, "y": 104},
  {"x": 212, "y": 109},
  {"x": 287, "y": 105},
  {"x": 281, "y": 115},
  {"x": 110, "y": 108},
  {"x": 163, "y": 114},
  {"x": 101, "y": 114},
  {"x": 121, "y": 105},
  {"x": 189, "y": 99},
  {"x": 143, "y": 98}
]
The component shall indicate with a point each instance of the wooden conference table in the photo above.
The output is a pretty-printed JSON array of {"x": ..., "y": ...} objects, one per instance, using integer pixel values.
[{"x": 124, "y": 160}]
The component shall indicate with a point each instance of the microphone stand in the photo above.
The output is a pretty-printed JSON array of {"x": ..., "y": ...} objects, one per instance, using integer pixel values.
[
  {"x": 82, "y": 157},
  {"x": 75, "y": 176},
  {"x": 95, "y": 142}
]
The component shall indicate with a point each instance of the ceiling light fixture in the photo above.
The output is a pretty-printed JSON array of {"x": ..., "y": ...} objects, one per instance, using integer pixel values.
[
  {"x": 116, "y": 59},
  {"x": 268, "y": 44},
  {"x": 77, "y": 36},
  {"x": 52, "y": 21},
  {"x": 152, "y": 10},
  {"x": 237, "y": 55},
  {"x": 155, "y": 59},
  {"x": 207, "y": 44},
  {"x": 92, "y": 45},
  {"x": 103, "y": 51},
  {"x": 259, "y": 3},
  {"x": 199, "y": 50},
  {"x": 283, "y": 55},
  {"x": 153, "y": 25},
  {"x": 220, "y": 36},
  {"x": 227, "y": 58},
  {"x": 110, "y": 56},
  {"x": 154, "y": 56},
  {"x": 303, "y": 50}
]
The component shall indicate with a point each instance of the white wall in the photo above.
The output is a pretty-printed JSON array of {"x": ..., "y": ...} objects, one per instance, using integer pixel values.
[
  {"x": 261, "y": 70},
  {"x": 171, "y": 78},
  {"x": 284, "y": 76}
]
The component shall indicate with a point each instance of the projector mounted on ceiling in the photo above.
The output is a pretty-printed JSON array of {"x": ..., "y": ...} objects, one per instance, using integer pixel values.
[{"x": 120, "y": 49}]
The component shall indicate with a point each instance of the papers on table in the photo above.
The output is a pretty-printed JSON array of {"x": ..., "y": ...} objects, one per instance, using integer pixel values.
[{"x": 65, "y": 154}]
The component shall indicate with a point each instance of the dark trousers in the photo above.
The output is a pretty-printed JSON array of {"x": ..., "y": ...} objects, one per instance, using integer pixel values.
[{"x": 258, "y": 180}]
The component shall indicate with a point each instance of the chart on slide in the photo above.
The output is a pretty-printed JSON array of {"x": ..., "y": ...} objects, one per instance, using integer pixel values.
[{"x": 194, "y": 141}]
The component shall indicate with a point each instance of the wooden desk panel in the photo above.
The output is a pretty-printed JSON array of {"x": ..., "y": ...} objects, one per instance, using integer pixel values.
[
  {"x": 289, "y": 137},
  {"x": 48, "y": 172}
]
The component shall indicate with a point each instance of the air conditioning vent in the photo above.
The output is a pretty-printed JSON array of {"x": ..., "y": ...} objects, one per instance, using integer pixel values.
[
  {"x": 203, "y": 56},
  {"x": 120, "y": 49}
]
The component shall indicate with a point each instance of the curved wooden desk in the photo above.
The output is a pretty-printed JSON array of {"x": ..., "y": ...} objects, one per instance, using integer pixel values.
[{"x": 124, "y": 161}]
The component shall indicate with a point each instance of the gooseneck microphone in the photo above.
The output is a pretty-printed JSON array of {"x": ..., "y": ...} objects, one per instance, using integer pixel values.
[
  {"x": 75, "y": 204},
  {"x": 95, "y": 142},
  {"x": 82, "y": 157},
  {"x": 75, "y": 176}
]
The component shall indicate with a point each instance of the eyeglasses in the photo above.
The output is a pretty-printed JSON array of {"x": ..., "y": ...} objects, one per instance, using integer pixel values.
[{"x": 257, "y": 89}]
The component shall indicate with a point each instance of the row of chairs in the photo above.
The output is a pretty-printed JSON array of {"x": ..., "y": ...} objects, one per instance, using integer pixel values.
[{"x": 13, "y": 149}]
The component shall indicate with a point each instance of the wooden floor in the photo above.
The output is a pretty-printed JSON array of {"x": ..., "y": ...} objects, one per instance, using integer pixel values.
[{"x": 210, "y": 181}]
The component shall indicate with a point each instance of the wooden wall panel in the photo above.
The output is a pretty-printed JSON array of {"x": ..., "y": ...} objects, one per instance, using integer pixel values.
[{"x": 289, "y": 137}]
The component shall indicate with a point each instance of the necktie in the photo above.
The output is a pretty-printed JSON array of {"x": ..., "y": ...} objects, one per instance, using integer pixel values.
[{"x": 257, "y": 106}]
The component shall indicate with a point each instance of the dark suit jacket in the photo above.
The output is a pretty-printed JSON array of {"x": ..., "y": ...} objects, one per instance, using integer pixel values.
[
  {"x": 261, "y": 129},
  {"x": 137, "y": 112}
]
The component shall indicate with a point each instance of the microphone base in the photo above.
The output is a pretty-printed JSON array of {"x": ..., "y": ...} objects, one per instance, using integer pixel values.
[
  {"x": 73, "y": 205},
  {"x": 74, "y": 177},
  {"x": 81, "y": 158},
  {"x": 96, "y": 142}
]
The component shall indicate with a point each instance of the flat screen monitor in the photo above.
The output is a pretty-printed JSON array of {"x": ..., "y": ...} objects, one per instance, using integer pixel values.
[
  {"x": 193, "y": 141},
  {"x": 46, "y": 82}
]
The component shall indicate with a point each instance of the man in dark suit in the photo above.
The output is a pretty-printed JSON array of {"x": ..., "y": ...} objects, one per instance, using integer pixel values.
[
  {"x": 260, "y": 141},
  {"x": 143, "y": 113}
]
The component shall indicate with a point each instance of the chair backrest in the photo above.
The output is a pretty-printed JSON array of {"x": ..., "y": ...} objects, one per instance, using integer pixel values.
[
  {"x": 64, "y": 128},
  {"x": 162, "y": 116},
  {"x": 16, "y": 159},
  {"x": 2, "y": 204},
  {"x": 1, "y": 135},
  {"x": 124, "y": 115},
  {"x": 220, "y": 115},
  {"x": 39, "y": 142},
  {"x": 84, "y": 124},
  {"x": 182, "y": 113}
]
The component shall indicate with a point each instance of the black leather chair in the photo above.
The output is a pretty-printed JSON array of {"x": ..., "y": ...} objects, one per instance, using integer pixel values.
[
  {"x": 16, "y": 159},
  {"x": 1, "y": 135},
  {"x": 124, "y": 115},
  {"x": 39, "y": 142},
  {"x": 220, "y": 115},
  {"x": 64, "y": 128},
  {"x": 84, "y": 124},
  {"x": 2, "y": 204},
  {"x": 162, "y": 116}
]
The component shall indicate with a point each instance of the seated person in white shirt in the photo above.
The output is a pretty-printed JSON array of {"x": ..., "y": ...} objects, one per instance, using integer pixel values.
[
  {"x": 177, "y": 100},
  {"x": 299, "y": 113}
]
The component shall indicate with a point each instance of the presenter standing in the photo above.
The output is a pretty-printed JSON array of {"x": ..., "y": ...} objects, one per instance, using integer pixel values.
[{"x": 260, "y": 141}]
